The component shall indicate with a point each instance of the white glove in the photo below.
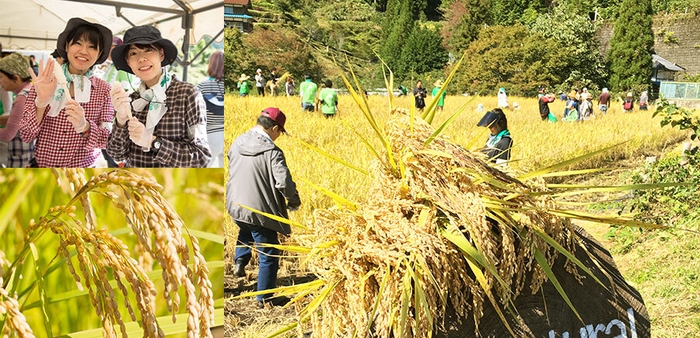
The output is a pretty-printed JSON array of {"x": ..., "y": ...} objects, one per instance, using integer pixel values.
[
  {"x": 76, "y": 116},
  {"x": 137, "y": 134},
  {"x": 121, "y": 103}
]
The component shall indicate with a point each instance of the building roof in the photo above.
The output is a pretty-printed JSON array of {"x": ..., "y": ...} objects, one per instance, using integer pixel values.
[
  {"x": 245, "y": 3},
  {"x": 661, "y": 62}
]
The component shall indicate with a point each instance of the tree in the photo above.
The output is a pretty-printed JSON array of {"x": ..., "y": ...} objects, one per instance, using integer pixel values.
[
  {"x": 236, "y": 59},
  {"x": 631, "y": 47},
  {"x": 464, "y": 21},
  {"x": 397, "y": 28},
  {"x": 511, "y": 57},
  {"x": 580, "y": 62},
  {"x": 423, "y": 52}
]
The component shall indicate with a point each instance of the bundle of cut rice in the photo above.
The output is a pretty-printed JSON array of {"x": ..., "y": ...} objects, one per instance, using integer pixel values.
[{"x": 444, "y": 230}]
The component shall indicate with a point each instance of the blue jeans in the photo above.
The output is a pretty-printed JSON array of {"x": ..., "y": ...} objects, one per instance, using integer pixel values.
[
  {"x": 308, "y": 106},
  {"x": 268, "y": 262}
]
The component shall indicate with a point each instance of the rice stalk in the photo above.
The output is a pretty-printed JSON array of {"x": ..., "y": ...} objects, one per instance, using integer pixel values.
[
  {"x": 14, "y": 322},
  {"x": 105, "y": 267}
]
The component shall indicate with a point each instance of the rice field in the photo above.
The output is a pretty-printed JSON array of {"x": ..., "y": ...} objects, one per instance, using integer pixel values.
[
  {"x": 537, "y": 144},
  {"x": 88, "y": 253}
]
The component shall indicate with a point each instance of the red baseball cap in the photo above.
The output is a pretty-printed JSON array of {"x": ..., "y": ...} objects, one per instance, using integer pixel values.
[{"x": 275, "y": 115}]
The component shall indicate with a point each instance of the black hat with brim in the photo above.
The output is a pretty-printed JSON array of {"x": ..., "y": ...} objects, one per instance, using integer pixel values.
[
  {"x": 143, "y": 35},
  {"x": 74, "y": 23},
  {"x": 489, "y": 119}
]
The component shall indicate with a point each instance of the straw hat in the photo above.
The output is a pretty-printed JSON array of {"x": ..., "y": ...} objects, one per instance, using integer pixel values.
[
  {"x": 629, "y": 94},
  {"x": 243, "y": 77},
  {"x": 438, "y": 83}
]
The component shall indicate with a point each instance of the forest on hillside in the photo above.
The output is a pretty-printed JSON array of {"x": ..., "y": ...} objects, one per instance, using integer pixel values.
[{"x": 521, "y": 45}]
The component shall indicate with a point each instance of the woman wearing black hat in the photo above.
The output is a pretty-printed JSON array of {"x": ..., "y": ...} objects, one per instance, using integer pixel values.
[
  {"x": 163, "y": 123},
  {"x": 70, "y": 128},
  {"x": 498, "y": 146}
]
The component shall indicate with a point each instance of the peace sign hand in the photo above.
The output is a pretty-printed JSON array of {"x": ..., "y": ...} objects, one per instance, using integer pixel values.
[{"x": 44, "y": 84}]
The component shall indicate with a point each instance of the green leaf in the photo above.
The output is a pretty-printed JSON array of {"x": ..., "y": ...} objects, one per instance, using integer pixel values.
[
  {"x": 432, "y": 107},
  {"x": 444, "y": 125},
  {"x": 566, "y": 253},
  {"x": 212, "y": 237},
  {"x": 41, "y": 285},
  {"x": 285, "y": 329},
  {"x": 542, "y": 261},
  {"x": 12, "y": 202},
  {"x": 332, "y": 157},
  {"x": 339, "y": 200},
  {"x": 552, "y": 168},
  {"x": 275, "y": 217}
]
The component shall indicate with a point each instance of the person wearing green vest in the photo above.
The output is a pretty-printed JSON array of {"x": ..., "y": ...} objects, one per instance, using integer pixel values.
[
  {"x": 243, "y": 85},
  {"x": 329, "y": 100},
  {"x": 441, "y": 99},
  {"x": 307, "y": 91}
]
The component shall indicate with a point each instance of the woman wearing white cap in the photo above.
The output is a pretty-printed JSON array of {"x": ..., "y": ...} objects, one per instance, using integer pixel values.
[
  {"x": 260, "y": 82},
  {"x": 70, "y": 128}
]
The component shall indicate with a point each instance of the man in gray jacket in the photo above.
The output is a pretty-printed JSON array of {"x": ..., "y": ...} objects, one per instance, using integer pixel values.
[{"x": 258, "y": 178}]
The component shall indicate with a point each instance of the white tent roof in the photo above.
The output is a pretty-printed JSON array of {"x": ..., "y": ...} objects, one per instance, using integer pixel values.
[{"x": 35, "y": 24}]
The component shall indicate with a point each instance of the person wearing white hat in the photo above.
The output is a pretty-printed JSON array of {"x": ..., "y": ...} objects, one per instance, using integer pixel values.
[
  {"x": 71, "y": 127},
  {"x": 260, "y": 82},
  {"x": 243, "y": 85}
]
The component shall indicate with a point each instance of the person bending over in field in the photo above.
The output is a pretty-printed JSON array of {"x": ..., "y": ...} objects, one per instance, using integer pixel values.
[
  {"x": 498, "y": 145},
  {"x": 258, "y": 178},
  {"x": 164, "y": 122},
  {"x": 544, "y": 102}
]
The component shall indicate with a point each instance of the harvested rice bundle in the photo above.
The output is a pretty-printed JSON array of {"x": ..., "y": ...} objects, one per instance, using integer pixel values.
[{"x": 397, "y": 266}]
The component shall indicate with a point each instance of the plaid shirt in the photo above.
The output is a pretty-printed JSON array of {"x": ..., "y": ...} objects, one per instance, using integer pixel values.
[
  {"x": 182, "y": 131},
  {"x": 57, "y": 142},
  {"x": 19, "y": 153}
]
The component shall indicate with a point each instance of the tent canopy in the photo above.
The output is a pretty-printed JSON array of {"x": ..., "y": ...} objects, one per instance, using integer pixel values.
[{"x": 36, "y": 24}]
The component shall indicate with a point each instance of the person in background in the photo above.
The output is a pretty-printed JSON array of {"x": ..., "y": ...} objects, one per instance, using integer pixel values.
[
  {"x": 586, "y": 109},
  {"x": 307, "y": 91},
  {"x": 329, "y": 100},
  {"x": 644, "y": 100},
  {"x": 562, "y": 96},
  {"x": 502, "y": 98},
  {"x": 70, "y": 128},
  {"x": 243, "y": 85},
  {"x": 441, "y": 99},
  {"x": 33, "y": 64},
  {"x": 289, "y": 86},
  {"x": 260, "y": 82},
  {"x": 258, "y": 178},
  {"x": 15, "y": 78},
  {"x": 106, "y": 71},
  {"x": 500, "y": 142},
  {"x": 213, "y": 91},
  {"x": 164, "y": 122},
  {"x": 604, "y": 101},
  {"x": 628, "y": 103},
  {"x": 402, "y": 90},
  {"x": 543, "y": 102},
  {"x": 273, "y": 82},
  {"x": 56, "y": 55},
  {"x": 5, "y": 107},
  {"x": 419, "y": 94}
]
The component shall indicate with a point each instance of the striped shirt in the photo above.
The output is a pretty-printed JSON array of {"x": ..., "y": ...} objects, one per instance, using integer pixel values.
[
  {"x": 215, "y": 122},
  {"x": 57, "y": 143},
  {"x": 182, "y": 131}
]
